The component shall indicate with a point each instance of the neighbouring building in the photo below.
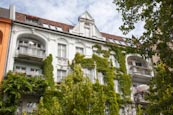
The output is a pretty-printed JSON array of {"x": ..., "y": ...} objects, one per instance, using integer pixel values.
[
  {"x": 34, "y": 38},
  {"x": 5, "y": 30}
]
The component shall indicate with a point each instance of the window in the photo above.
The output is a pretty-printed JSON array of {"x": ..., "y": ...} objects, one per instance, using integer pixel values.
[
  {"x": 32, "y": 20},
  {"x": 114, "y": 61},
  {"x": 62, "y": 50},
  {"x": 89, "y": 73},
  {"x": 80, "y": 50},
  {"x": 87, "y": 32},
  {"x": 46, "y": 25},
  {"x": 34, "y": 71},
  {"x": 59, "y": 29},
  {"x": 61, "y": 74},
  {"x": 52, "y": 27},
  {"x": 100, "y": 78},
  {"x": 20, "y": 69},
  {"x": 116, "y": 84},
  {"x": 138, "y": 63}
]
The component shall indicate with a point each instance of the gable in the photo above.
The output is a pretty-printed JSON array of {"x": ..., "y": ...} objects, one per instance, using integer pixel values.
[{"x": 86, "y": 27}]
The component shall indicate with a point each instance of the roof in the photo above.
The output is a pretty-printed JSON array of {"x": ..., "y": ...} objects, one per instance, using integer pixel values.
[
  {"x": 65, "y": 27},
  {"x": 4, "y": 13}
]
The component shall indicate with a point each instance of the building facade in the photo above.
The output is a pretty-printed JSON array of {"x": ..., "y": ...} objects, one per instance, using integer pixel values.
[
  {"x": 33, "y": 39},
  {"x": 5, "y": 30}
]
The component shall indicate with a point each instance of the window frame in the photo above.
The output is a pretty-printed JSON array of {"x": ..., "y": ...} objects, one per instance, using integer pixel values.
[
  {"x": 60, "y": 50},
  {"x": 61, "y": 73},
  {"x": 79, "y": 50}
]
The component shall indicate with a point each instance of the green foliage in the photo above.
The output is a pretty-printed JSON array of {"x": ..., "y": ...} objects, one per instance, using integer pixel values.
[
  {"x": 110, "y": 92},
  {"x": 88, "y": 63},
  {"x": 99, "y": 50},
  {"x": 49, "y": 107},
  {"x": 104, "y": 66},
  {"x": 78, "y": 96},
  {"x": 139, "y": 110},
  {"x": 161, "y": 95},
  {"x": 125, "y": 84},
  {"x": 85, "y": 62},
  {"x": 102, "y": 63},
  {"x": 14, "y": 87},
  {"x": 122, "y": 76},
  {"x": 48, "y": 71},
  {"x": 156, "y": 40},
  {"x": 49, "y": 102}
]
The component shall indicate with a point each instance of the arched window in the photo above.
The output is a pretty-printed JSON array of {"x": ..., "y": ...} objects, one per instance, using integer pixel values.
[
  {"x": 1, "y": 35},
  {"x": 80, "y": 48}
]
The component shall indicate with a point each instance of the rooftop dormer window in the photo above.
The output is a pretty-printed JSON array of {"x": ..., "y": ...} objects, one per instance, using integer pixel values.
[{"x": 32, "y": 20}]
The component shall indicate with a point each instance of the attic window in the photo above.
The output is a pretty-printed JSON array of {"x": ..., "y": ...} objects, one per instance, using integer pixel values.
[
  {"x": 45, "y": 25},
  {"x": 110, "y": 40},
  {"x": 32, "y": 19},
  {"x": 122, "y": 43},
  {"x": 59, "y": 29},
  {"x": 87, "y": 32},
  {"x": 116, "y": 41},
  {"x": 52, "y": 27}
]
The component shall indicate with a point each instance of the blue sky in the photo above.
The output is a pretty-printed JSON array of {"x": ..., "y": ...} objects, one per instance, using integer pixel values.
[{"x": 107, "y": 19}]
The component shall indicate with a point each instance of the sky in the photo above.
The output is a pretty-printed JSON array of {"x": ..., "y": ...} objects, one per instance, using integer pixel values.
[{"x": 107, "y": 18}]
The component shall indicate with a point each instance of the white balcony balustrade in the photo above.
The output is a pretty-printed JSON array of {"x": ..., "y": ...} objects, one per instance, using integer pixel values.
[
  {"x": 29, "y": 51},
  {"x": 140, "y": 70}
]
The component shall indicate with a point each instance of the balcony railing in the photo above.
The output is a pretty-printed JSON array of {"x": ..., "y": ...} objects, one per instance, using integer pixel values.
[
  {"x": 140, "y": 98},
  {"x": 140, "y": 70},
  {"x": 29, "y": 51},
  {"x": 29, "y": 74}
]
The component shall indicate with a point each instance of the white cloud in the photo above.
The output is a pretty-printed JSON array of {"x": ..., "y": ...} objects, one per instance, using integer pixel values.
[{"x": 104, "y": 12}]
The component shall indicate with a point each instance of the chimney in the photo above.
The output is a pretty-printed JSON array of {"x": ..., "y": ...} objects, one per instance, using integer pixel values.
[{"x": 12, "y": 12}]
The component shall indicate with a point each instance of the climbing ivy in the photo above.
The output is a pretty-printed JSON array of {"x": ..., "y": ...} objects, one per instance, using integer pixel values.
[
  {"x": 48, "y": 71},
  {"x": 49, "y": 102},
  {"x": 101, "y": 64},
  {"x": 18, "y": 84},
  {"x": 110, "y": 73},
  {"x": 14, "y": 87},
  {"x": 121, "y": 72}
]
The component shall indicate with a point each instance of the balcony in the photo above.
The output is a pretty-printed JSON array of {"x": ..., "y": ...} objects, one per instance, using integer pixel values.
[
  {"x": 140, "y": 71},
  {"x": 140, "y": 92},
  {"x": 140, "y": 98},
  {"x": 27, "y": 51},
  {"x": 28, "y": 74}
]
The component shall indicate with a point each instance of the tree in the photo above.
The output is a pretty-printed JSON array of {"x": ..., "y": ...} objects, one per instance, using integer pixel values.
[
  {"x": 157, "y": 39},
  {"x": 49, "y": 102},
  {"x": 79, "y": 96},
  {"x": 15, "y": 87},
  {"x": 161, "y": 95},
  {"x": 158, "y": 18}
]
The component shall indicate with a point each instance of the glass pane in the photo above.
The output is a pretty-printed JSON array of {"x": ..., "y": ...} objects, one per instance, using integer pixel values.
[
  {"x": 62, "y": 50},
  {"x": 79, "y": 50}
]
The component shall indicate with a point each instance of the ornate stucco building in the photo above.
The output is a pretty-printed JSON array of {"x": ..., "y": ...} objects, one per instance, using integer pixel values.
[{"x": 33, "y": 38}]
